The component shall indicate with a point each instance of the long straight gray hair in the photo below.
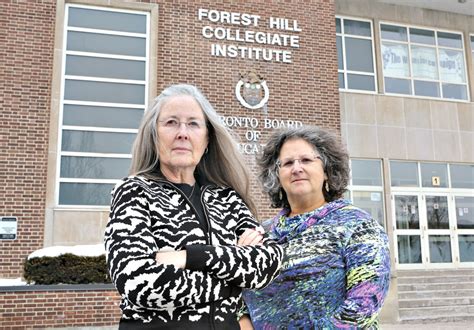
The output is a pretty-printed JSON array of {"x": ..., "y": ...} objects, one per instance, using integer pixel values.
[{"x": 222, "y": 165}]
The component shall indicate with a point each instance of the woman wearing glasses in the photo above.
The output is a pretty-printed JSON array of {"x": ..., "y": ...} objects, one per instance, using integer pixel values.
[
  {"x": 335, "y": 273},
  {"x": 182, "y": 240}
]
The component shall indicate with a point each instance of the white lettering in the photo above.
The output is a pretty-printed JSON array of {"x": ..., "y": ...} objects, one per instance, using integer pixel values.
[
  {"x": 252, "y": 135},
  {"x": 201, "y": 13},
  {"x": 225, "y": 17},
  {"x": 220, "y": 33},
  {"x": 295, "y": 41},
  {"x": 276, "y": 123},
  {"x": 274, "y": 23},
  {"x": 250, "y": 148},
  {"x": 247, "y": 122},
  {"x": 238, "y": 36},
  {"x": 213, "y": 16},
  {"x": 205, "y": 32},
  {"x": 251, "y": 53}
]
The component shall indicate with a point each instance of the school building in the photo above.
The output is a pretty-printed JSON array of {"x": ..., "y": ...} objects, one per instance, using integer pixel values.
[{"x": 394, "y": 78}]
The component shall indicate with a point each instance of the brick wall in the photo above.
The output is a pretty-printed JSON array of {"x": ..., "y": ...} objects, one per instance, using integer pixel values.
[
  {"x": 26, "y": 55},
  {"x": 305, "y": 90},
  {"x": 42, "y": 309}
]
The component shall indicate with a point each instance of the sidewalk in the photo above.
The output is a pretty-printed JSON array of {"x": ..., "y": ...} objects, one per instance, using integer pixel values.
[
  {"x": 424, "y": 326},
  {"x": 429, "y": 326}
]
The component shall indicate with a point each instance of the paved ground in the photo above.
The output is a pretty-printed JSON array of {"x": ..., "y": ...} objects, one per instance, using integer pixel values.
[{"x": 430, "y": 326}]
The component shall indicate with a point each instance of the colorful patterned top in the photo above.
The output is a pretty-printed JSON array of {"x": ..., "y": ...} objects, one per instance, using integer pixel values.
[{"x": 335, "y": 274}]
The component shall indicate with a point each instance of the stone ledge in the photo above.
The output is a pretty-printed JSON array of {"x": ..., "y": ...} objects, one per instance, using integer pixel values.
[{"x": 58, "y": 287}]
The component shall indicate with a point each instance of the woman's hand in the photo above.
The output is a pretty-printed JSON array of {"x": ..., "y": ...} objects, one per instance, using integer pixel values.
[
  {"x": 176, "y": 258},
  {"x": 251, "y": 237},
  {"x": 245, "y": 323}
]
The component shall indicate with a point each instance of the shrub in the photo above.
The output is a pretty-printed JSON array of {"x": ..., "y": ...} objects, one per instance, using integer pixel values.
[{"x": 66, "y": 269}]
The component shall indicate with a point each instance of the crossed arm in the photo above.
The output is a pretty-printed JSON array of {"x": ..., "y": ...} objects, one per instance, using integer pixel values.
[
  {"x": 250, "y": 237},
  {"x": 203, "y": 273}
]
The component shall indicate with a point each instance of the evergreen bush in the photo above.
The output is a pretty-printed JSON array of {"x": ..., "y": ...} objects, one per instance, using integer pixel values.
[{"x": 66, "y": 269}]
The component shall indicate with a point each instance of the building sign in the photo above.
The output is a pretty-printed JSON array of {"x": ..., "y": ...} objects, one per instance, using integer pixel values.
[
  {"x": 247, "y": 36},
  {"x": 252, "y": 90},
  {"x": 8, "y": 228},
  {"x": 252, "y": 145},
  {"x": 247, "y": 41}
]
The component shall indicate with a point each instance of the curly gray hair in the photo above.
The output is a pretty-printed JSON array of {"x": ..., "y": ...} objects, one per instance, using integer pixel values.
[{"x": 334, "y": 156}]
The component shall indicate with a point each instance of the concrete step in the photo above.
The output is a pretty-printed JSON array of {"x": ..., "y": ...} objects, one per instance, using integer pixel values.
[
  {"x": 436, "y": 296},
  {"x": 436, "y": 279},
  {"x": 441, "y": 322},
  {"x": 433, "y": 294},
  {"x": 429, "y": 312},
  {"x": 435, "y": 286},
  {"x": 456, "y": 325},
  {"x": 437, "y": 302},
  {"x": 435, "y": 272}
]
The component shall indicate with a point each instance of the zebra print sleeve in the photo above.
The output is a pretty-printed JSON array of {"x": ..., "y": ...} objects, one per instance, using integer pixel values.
[
  {"x": 131, "y": 250},
  {"x": 252, "y": 267}
]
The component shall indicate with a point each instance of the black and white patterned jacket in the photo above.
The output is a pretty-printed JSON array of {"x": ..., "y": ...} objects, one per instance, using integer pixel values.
[{"x": 149, "y": 216}]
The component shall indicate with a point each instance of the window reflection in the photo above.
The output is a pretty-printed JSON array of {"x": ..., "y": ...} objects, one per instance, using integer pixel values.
[
  {"x": 466, "y": 248},
  {"x": 84, "y": 193},
  {"x": 372, "y": 202},
  {"x": 409, "y": 249},
  {"x": 440, "y": 248},
  {"x": 437, "y": 212},
  {"x": 464, "y": 212},
  {"x": 406, "y": 212}
]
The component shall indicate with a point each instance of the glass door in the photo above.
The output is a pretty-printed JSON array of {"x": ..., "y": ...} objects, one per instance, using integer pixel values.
[
  {"x": 433, "y": 230},
  {"x": 464, "y": 215},
  {"x": 408, "y": 230},
  {"x": 438, "y": 231},
  {"x": 432, "y": 214}
]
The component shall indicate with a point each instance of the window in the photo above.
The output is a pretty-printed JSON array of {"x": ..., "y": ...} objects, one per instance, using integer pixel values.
[
  {"x": 462, "y": 176},
  {"x": 366, "y": 189},
  {"x": 423, "y": 62},
  {"x": 434, "y": 175},
  {"x": 355, "y": 54},
  {"x": 404, "y": 174},
  {"x": 103, "y": 98},
  {"x": 431, "y": 175}
]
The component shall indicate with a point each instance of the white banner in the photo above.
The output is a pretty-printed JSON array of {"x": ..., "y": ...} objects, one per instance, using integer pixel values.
[
  {"x": 395, "y": 60},
  {"x": 451, "y": 66},
  {"x": 424, "y": 63}
]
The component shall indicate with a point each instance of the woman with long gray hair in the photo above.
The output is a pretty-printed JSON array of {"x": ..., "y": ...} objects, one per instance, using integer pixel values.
[
  {"x": 335, "y": 272},
  {"x": 182, "y": 240}
]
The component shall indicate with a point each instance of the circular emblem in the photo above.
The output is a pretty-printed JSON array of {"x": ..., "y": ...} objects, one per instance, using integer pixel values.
[{"x": 252, "y": 90}]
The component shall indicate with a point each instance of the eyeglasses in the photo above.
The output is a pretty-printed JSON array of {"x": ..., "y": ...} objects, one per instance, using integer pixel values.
[
  {"x": 288, "y": 163},
  {"x": 174, "y": 124}
]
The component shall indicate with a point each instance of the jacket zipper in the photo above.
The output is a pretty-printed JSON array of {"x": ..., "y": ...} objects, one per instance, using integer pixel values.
[
  {"x": 209, "y": 232},
  {"x": 212, "y": 307},
  {"x": 208, "y": 238}
]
